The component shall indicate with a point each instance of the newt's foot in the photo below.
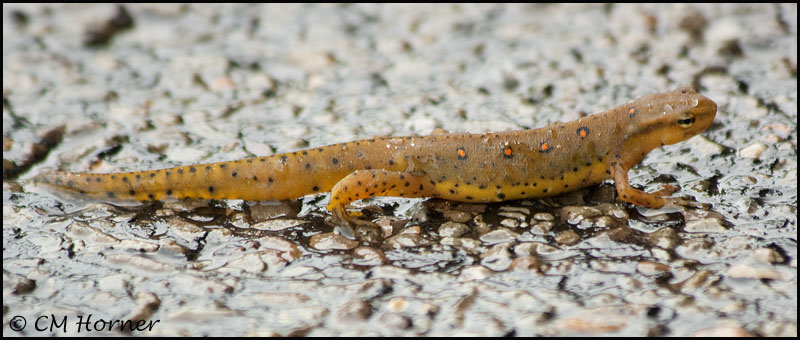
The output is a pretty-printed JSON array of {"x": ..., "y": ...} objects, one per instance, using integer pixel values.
[
  {"x": 666, "y": 190},
  {"x": 341, "y": 215},
  {"x": 363, "y": 230}
]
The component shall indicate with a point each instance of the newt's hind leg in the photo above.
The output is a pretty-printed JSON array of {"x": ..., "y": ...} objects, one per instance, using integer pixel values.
[{"x": 361, "y": 184}]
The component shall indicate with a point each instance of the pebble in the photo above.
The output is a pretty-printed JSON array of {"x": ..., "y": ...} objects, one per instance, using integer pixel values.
[
  {"x": 498, "y": 258},
  {"x": 521, "y": 212},
  {"x": 664, "y": 238},
  {"x": 299, "y": 321},
  {"x": 275, "y": 299},
  {"x": 369, "y": 256},
  {"x": 474, "y": 273},
  {"x": 265, "y": 211},
  {"x": 512, "y": 223},
  {"x": 753, "y": 151},
  {"x": 544, "y": 249},
  {"x": 169, "y": 245},
  {"x": 605, "y": 222},
  {"x": 589, "y": 322},
  {"x": 499, "y": 235},
  {"x": 746, "y": 271},
  {"x": 405, "y": 240},
  {"x": 574, "y": 215},
  {"x": 191, "y": 284},
  {"x": 395, "y": 321},
  {"x": 568, "y": 237},
  {"x": 705, "y": 225},
  {"x": 356, "y": 310},
  {"x": 146, "y": 303},
  {"x": 513, "y": 215},
  {"x": 332, "y": 241},
  {"x": 206, "y": 313},
  {"x": 250, "y": 263},
  {"x": 114, "y": 283},
  {"x": 649, "y": 268},
  {"x": 137, "y": 245},
  {"x": 696, "y": 249},
  {"x": 697, "y": 280},
  {"x": 140, "y": 263},
  {"x": 617, "y": 234},
  {"x": 526, "y": 264},
  {"x": 17, "y": 284},
  {"x": 704, "y": 146},
  {"x": 290, "y": 249},
  {"x": 397, "y": 304},
  {"x": 186, "y": 231},
  {"x": 277, "y": 224},
  {"x": 83, "y": 231},
  {"x": 466, "y": 244},
  {"x": 724, "y": 332},
  {"x": 767, "y": 256},
  {"x": 452, "y": 229},
  {"x": 457, "y": 216},
  {"x": 542, "y": 228}
]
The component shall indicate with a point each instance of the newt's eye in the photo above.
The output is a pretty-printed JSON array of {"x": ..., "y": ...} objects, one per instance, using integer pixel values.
[{"x": 686, "y": 120}]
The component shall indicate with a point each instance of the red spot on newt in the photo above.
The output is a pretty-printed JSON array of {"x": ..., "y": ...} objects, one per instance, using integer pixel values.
[
  {"x": 462, "y": 154},
  {"x": 583, "y": 132},
  {"x": 544, "y": 147}
]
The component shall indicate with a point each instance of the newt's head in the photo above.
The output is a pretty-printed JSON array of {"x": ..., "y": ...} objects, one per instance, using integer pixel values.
[{"x": 667, "y": 118}]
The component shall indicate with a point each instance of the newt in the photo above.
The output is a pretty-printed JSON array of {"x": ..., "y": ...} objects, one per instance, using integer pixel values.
[{"x": 489, "y": 167}]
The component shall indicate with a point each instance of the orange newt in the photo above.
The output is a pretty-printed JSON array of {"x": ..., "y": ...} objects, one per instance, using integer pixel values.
[{"x": 464, "y": 167}]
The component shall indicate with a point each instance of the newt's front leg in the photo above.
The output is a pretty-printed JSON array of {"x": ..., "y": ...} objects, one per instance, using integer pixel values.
[
  {"x": 653, "y": 201},
  {"x": 361, "y": 184}
]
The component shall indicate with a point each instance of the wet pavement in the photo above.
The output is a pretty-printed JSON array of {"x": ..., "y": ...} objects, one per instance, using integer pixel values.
[{"x": 105, "y": 88}]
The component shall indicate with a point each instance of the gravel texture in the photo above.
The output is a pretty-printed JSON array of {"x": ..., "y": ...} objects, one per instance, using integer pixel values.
[{"x": 134, "y": 87}]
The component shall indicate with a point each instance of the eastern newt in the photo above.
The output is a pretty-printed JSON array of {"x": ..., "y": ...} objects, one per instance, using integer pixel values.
[{"x": 465, "y": 167}]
